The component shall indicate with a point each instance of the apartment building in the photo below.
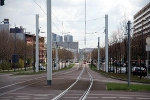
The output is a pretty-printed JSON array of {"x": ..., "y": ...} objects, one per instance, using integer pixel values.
[{"x": 142, "y": 21}]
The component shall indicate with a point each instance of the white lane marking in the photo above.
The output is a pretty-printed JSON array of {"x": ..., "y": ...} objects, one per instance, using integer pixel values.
[
  {"x": 33, "y": 79},
  {"x": 144, "y": 98},
  {"x": 40, "y": 95},
  {"x": 22, "y": 98},
  {"x": 92, "y": 97},
  {"x": 126, "y": 97},
  {"x": 7, "y": 97},
  {"x": 41, "y": 98},
  {"x": 30, "y": 94},
  {"x": 109, "y": 97},
  {"x": 71, "y": 97},
  {"x": 20, "y": 82},
  {"x": 73, "y": 94},
  {"x": 18, "y": 88},
  {"x": 62, "y": 93}
]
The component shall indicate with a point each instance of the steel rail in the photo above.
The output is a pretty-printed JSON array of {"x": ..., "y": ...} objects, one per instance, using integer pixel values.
[
  {"x": 36, "y": 78},
  {"x": 84, "y": 96},
  {"x": 62, "y": 93}
]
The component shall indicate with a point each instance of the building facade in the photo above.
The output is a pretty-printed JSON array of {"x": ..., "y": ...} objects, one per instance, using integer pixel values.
[
  {"x": 142, "y": 21},
  {"x": 5, "y": 26},
  {"x": 68, "y": 38},
  {"x": 31, "y": 40},
  {"x": 140, "y": 32}
]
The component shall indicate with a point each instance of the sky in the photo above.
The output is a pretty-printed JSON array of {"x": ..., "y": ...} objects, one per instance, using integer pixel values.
[{"x": 68, "y": 17}]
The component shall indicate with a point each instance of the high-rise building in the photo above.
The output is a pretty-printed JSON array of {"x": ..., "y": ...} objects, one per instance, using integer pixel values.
[
  {"x": 5, "y": 26},
  {"x": 142, "y": 21},
  {"x": 68, "y": 38},
  {"x": 54, "y": 37},
  {"x": 59, "y": 38}
]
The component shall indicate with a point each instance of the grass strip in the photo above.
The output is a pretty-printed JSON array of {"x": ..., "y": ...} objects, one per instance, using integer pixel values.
[
  {"x": 29, "y": 73},
  {"x": 125, "y": 87},
  {"x": 65, "y": 68},
  {"x": 40, "y": 72},
  {"x": 120, "y": 76}
]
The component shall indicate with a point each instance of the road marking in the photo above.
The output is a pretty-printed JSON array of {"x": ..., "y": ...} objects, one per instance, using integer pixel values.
[
  {"x": 20, "y": 82},
  {"x": 30, "y": 94},
  {"x": 109, "y": 97},
  {"x": 22, "y": 98},
  {"x": 41, "y": 98},
  {"x": 40, "y": 94},
  {"x": 71, "y": 97},
  {"x": 73, "y": 94},
  {"x": 18, "y": 88},
  {"x": 144, "y": 98},
  {"x": 7, "y": 97},
  {"x": 92, "y": 97},
  {"x": 126, "y": 97}
]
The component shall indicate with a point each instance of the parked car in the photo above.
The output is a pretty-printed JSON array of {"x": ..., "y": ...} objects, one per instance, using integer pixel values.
[
  {"x": 121, "y": 70},
  {"x": 139, "y": 71},
  {"x": 111, "y": 69},
  {"x": 42, "y": 68}
]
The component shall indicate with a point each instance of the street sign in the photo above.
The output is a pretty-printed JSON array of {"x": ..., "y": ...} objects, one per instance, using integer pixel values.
[
  {"x": 15, "y": 58},
  {"x": 148, "y": 40},
  {"x": 147, "y": 47}
]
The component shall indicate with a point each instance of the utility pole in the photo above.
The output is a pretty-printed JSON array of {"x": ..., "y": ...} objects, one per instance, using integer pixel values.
[
  {"x": 106, "y": 43},
  {"x": 37, "y": 42},
  {"x": 25, "y": 49},
  {"x": 56, "y": 56},
  {"x": 49, "y": 44},
  {"x": 98, "y": 56},
  {"x": 129, "y": 59},
  {"x": 85, "y": 25}
]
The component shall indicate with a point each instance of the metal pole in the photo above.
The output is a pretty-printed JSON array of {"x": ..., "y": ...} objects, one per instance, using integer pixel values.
[
  {"x": 37, "y": 43},
  {"x": 85, "y": 23},
  {"x": 147, "y": 62},
  {"x": 15, "y": 51},
  {"x": 129, "y": 59},
  {"x": 106, "y": 43},
  {"x": 49, "y": 44},
  {"x": 25, "y": 51},
  {"x": 56, "y": 56},
  {"x": 98, "y": 55}
]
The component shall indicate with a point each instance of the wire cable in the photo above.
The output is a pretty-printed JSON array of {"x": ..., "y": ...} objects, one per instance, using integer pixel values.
[{"x": 40, "y": 7}]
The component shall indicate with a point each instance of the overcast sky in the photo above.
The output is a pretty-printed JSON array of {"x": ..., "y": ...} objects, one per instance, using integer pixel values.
[{"x": 68, "y": 16}]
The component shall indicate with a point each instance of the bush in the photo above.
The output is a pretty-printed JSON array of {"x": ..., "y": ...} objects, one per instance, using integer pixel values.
[
  {"x": 5, "y": 66},
  {"x": 21, "y": 63}
]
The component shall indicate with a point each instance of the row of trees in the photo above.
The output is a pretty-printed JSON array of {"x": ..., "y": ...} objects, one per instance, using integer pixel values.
[
  {"x": 24, "y": 51},
  {"x": 118, "y": 45}
]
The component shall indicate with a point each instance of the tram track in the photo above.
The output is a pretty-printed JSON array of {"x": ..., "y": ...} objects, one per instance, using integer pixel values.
[
  {"x": 23, "y": 84},
  {"x": 87, "y": 90}
]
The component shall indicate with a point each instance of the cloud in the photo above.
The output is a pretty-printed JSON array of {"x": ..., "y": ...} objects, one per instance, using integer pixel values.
[{"x": 69, "y": 16}]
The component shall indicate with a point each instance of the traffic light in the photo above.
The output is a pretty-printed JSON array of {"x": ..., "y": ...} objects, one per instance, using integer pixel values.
[{"x": 2, "y": 2}]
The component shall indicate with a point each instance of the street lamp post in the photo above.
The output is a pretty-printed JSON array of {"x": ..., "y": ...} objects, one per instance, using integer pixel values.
[
  {"x": 15, "y": 51},
  {"x": 129, "y": 56},
  {"x": 142, "y": 52},
  {"x": 25, "y": 50}
]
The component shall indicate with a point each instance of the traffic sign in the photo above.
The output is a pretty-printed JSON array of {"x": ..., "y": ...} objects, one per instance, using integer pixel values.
[
  {"x": 147, "y": 47},
  {"x": 148, "y": 40}
]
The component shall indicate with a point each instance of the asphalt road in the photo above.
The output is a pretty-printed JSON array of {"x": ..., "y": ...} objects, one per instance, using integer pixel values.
[{"x": 34, "y": 87}]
